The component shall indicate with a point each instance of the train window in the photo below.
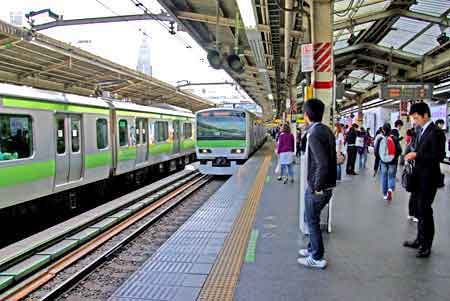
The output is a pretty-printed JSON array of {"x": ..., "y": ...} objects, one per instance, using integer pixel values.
[
  {"x": 161, "y": 131},
  {"x": 102, "y": 133},
  {"x": 187, "y": 130},
  {"x": 16, "y": 137},
  {"x": 144, "y": 131},
  {"x": 60, "y": 135},
  {"x": 75, "y": 128},
  {"x": 123, "y": 132}
]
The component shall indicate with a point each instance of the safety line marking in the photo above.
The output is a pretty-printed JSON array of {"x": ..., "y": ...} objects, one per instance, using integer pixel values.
[
  {"x": 251, "y": 247},
  {"x": 222, "y": 280}
]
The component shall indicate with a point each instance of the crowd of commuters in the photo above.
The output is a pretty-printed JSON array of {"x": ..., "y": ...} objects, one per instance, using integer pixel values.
[{"x": 326, "y": 152}]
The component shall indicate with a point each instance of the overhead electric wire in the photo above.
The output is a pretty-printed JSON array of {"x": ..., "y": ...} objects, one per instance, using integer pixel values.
[
  {"x": 117, "y": 14},
  {"x": 347, "y": 10},
  {"x": 142, "y": 7}
]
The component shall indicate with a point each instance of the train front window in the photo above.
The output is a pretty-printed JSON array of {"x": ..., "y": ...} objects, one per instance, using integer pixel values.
[
  {"x": 224, "y": 125},
  {"x": 16, "y": 137}
]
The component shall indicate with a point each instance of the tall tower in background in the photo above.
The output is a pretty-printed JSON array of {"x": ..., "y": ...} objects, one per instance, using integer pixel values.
[
  {"x": 16, "y": 18},
  {"x": 144, "y": 64}
]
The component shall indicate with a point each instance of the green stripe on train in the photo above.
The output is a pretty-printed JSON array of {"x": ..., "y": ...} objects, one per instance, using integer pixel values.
[
  {"x": 45, "y": 105},
  {"x": 122, "y": 113},
  {"x": 127, "y": 153},
  {"x": 161, "y": 148},
  {"x": 221, "y": 143},
  {"x": 98, "y": 159},
  {"x": 187, "y": 144},
  {"x": 28, "y": 172}
]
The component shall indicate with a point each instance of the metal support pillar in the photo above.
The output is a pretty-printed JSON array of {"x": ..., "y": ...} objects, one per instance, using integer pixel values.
[
  {"x": 322, "y": 39},
  {"x": 360, "y": 116}
]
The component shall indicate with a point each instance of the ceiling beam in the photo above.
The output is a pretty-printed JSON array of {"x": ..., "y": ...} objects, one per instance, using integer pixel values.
[
  {"x": 431, "y": 64},
  {"x": 190, "y": 16},
  {"x": 385, "y": 62},
  {"x": 364, "y": 4},
  {"x": 248, "y": 52},
  {"x": 397, "y": 12},
  {"x": 385, "y": 50}
]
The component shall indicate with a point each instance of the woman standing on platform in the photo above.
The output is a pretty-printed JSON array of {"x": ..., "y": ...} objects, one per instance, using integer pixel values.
[
  {"x": 285, "y": 150},
  {"x": 362, "y": 148},
  {"x": 340, "y": 158}
]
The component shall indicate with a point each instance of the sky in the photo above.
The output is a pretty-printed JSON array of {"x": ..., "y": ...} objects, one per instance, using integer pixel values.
[{"x": 171, "y": 59}]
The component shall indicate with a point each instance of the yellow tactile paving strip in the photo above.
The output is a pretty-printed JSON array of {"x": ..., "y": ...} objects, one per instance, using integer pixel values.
[{"x": 222, "y": 279}]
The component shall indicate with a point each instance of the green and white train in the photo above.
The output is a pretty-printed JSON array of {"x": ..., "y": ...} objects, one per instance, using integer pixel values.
[
  {"x": 55, "y": 143},
  {"x": 226, "y": 138}
]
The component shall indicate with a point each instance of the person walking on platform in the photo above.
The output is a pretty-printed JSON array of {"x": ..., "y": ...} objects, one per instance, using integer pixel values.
[
  {"x": 285, "y": 151},
  {"x": 362, "y": 147},
  {"x": 321, "y": 178},
  {"x": 427, "y": 157},
  {"x": 351, "y": 150},
  {"x": 378, "y": 136},
  {"x": 340, "y": 157},
  {"x": 388, "y": 151}
]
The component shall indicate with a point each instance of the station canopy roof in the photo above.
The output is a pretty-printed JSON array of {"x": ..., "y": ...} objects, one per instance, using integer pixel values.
[
  {"x": 401, "y": 41},
  {"x": 33, "y": 59},
  {"x": 375, "y": 41}
]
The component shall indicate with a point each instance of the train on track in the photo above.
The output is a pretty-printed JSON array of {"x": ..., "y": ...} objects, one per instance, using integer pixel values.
[
  {"x": 58, "y": 144},
  {"x": 226, "y": 138}
]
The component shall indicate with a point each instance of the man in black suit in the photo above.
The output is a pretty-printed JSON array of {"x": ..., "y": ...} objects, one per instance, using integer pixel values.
[
  {"x": 427, "y": 156},
  {"x": 351, "y": 149}
]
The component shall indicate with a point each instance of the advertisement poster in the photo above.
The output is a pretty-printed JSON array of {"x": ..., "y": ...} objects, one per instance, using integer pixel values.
[{"x": 439, "y": 112}]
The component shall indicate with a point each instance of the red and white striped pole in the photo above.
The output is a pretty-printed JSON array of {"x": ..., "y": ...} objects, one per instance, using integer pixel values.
[{"x": 322, "y": 38}]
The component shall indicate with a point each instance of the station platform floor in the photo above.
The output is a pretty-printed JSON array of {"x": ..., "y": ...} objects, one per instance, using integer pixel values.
[{"x": 242, "y": 245}]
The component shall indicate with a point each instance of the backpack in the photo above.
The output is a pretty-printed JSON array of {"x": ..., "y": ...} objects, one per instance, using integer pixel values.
[{"x": 387, "y": 150}]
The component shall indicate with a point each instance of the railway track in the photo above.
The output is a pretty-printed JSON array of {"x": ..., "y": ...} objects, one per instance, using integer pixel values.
[{"x": 61, "y": 254}]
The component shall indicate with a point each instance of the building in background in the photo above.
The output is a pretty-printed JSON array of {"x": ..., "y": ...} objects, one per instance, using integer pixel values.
[
  {"x": 17, "y": 18},
  {"x": 144, "y": 63}
]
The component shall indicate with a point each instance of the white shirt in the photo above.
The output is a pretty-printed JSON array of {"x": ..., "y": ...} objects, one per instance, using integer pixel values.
[
  {"x": 424, "y": 128},
  {"x": 340, "y": 142}
]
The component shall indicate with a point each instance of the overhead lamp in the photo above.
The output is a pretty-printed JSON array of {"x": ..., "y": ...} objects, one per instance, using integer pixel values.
[
  {"x": 235, "y": 63},
  {"x": 247, "y": 13},
  {"x": 442, "y": 38},
  {"x": 214, "y": 58},
  {"x": 351, "y": 39}
]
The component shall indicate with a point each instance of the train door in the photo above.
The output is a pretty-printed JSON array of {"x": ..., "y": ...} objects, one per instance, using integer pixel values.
[
  {"x": 177, "y": 135},
  {"x": 142, "y": 140},
  {"x": 69, "y": 154}
]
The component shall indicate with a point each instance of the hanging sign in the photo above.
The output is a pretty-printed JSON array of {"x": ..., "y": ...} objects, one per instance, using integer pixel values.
[{"x": 307, "y": 58}]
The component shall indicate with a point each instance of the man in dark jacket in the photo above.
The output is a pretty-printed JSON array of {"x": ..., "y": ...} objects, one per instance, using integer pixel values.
[
  {"x": 351, "y": 149},
  {"x": 427, "y": 156},
  {"x": 321, "y": 178}
]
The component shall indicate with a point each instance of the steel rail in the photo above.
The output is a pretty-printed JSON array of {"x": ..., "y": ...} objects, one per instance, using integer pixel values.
[
  {"x": 74, "y": 279},
  {"x": 39, "y": 278},
  {"x": 22, "y": 256}
]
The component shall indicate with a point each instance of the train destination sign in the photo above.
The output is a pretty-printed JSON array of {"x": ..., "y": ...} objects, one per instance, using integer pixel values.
[{"x": 406, "y": 91}]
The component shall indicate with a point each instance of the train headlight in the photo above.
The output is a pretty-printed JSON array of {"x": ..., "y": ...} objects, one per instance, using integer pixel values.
[
  {"x": 204, "y": 151},
  {"x": 238, "y": 151}
]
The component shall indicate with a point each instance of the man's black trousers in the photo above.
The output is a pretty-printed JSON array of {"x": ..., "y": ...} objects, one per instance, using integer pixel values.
[
  {"x": 351, "y": 152},
  {"x": 425, "y": 227}
]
